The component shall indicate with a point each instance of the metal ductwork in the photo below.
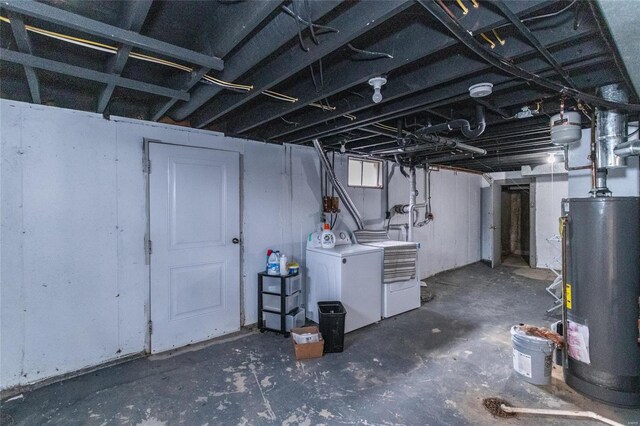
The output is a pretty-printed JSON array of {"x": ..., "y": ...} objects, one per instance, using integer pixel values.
[
  {"x": 342, "y": 193},
  {"x": 627, "y": 149},
  {"x": 611, "y": 129}
]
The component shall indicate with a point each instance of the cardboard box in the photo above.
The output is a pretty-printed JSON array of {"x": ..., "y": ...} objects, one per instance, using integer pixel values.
[{"x": 307, "y": 350}]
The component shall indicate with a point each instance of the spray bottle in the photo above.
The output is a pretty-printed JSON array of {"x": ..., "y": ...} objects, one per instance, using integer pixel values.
[{"x": 283, "y": 265}]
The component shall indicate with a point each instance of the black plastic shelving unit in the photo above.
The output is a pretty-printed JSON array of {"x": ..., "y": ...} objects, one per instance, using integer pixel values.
[{"x": 283, "y": 302}]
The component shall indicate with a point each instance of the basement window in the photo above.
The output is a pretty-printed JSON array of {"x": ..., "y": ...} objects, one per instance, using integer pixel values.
[{"x": 365, "y": 173}]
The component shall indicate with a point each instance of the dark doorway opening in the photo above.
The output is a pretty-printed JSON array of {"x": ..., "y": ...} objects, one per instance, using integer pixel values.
[{"x": 515, "y": 225}]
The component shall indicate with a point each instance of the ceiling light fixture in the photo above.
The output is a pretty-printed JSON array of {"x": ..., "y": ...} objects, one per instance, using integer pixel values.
[{"x": 377, "y": 83}]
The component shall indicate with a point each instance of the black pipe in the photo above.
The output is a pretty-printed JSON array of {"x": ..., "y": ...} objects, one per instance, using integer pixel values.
[
  {"x": 461, "y": 124},
  {"x": 503, "y": 64},
  {"x": 534, "y": 41}
]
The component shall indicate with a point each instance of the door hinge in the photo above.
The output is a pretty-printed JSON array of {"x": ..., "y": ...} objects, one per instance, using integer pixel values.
[
  {"x": 146, "y": 166},
  {"x": 149, "y": 246},
  {"x": 150, "y": 327}
]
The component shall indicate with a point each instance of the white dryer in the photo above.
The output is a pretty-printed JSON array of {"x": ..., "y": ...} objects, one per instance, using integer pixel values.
[
  {"x": 350, "y": 273},
  {"x": 402, "y": 295}
]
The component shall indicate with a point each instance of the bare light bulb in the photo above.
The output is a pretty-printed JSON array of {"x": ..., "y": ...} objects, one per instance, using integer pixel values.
[
  {"x": 377, "y": 83},
  {"x": 377, "y": 96},
  {"x": 551, "y": 159},
  {"x": 343, "y": 148}
]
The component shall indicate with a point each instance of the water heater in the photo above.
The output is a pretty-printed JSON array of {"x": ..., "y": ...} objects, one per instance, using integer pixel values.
[{"x": 601, "y": 314}]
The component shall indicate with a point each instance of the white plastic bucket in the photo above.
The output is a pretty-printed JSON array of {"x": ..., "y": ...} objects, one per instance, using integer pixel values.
[{"x": 531, "y": 357}]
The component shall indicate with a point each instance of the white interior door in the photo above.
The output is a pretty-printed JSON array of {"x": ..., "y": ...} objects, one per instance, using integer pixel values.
[{"x": 195, "y": 263}]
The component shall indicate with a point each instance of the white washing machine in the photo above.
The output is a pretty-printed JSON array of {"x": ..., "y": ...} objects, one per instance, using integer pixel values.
[{"x": 350, "y": 273}]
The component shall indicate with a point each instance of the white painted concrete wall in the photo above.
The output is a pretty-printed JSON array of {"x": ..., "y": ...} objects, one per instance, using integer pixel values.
[
  {"x": 550, "y": 190},
  {"x": 74, "y": 284},
  {"x": 73, "y": 280},
  {"x": 452, "y": 239}
]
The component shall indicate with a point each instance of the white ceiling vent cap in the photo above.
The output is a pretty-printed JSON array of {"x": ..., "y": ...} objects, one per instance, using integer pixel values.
[{"x": 480, "y": 90}]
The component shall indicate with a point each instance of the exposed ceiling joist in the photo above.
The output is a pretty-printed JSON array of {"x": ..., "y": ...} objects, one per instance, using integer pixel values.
[
  {"x": 136, "y": 15},
  {"x": 526, "y": 32},
  {"x": 24, "y": 45},
  {"x": 274, "y": 35},
  {"x": 430, "y": 51},
  {"x": 259, "y": 11},
  {"x": 352, "y": 73},
  {"x": 360, "y": 18},
  {"x": 110, "y": 32},
  {"x": 253, "y": 14},
  {"x": 87, "y": 74},
  {"x": 443, "y": 95},
  {"x": 450, "y": 68}
]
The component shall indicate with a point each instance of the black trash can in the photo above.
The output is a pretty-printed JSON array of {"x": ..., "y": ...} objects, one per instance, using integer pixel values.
[{"x": 332, "y": 316}]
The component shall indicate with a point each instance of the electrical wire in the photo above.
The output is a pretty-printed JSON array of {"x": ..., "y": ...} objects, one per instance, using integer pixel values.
[
  {"x": 505, "y": 65},
  {"x": 279, "y": 96},
  {"x": 385, "y": 127},
  {"x": 147, "y": 58},
  {"x": 547, "y": 15},
  {"x": 323, "y": 28},
  {"x": 488, "y": 40},
  {"x": 463, "y": 7},
  {"x": 322, "y": 107},
  {"x": 113, "y": 50},
  {"x": 374, "y": 55},
  {"x": 291, "y": 123},
  {"x": 501, "y": 41}
]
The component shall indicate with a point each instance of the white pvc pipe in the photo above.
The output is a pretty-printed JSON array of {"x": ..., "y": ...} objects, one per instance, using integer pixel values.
[{"x": 412, "y": 202}]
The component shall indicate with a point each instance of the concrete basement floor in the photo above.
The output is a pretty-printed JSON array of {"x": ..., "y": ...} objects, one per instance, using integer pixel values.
[{"x": 432, "y": 366}]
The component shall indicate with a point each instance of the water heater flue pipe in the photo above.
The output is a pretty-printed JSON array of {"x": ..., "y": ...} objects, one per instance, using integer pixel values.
[
  {"x": 342, "y": 193},
  {"x": 627, "y": 149}
]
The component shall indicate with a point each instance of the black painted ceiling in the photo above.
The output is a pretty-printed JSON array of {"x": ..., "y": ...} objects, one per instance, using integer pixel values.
[{"x": 297, "y": 70}]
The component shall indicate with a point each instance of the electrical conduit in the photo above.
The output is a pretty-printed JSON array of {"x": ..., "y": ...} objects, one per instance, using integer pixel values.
[{"x": 342, "y": 193}]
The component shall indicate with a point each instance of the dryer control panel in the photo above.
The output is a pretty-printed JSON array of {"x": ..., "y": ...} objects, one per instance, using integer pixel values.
[{"x": 343, "y": 238}]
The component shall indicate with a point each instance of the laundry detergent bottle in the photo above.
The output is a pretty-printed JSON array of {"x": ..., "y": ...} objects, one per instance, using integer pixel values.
[
  {"x": 327, "y": 239},
  {"x": 273, "y": 267}
]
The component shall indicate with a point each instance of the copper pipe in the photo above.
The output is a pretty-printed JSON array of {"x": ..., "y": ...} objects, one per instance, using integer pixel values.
[
  {"x": 593, "y": 151},
  {"x": 446, "y": 9},
  {"x": 566, "y": 162}
]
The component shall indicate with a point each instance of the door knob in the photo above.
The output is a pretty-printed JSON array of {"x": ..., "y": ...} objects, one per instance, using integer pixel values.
[{"x": 236, "y": 241}]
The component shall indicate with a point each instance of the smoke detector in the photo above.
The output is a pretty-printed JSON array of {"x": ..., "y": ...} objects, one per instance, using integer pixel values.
[
  {"x": 481, "y": 90},
  {"x": 377, "y": 83}
]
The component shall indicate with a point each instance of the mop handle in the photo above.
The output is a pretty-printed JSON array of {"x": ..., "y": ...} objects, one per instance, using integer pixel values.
[{"x": 566, "y": 413}]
